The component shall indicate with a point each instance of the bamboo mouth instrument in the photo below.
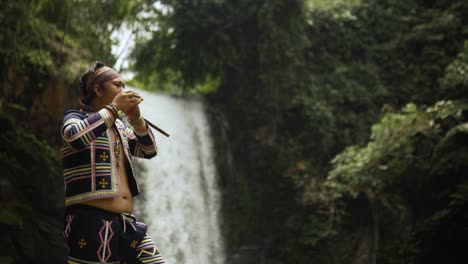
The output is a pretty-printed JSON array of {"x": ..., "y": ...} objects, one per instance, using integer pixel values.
[{"x": 157, "y": 128}]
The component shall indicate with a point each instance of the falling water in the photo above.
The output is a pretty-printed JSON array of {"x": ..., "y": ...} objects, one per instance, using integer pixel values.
[{"x": 182, "y": 200}]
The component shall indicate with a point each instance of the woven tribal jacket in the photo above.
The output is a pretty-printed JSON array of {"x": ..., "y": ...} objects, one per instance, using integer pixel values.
[{"x": 88, "y": 163}]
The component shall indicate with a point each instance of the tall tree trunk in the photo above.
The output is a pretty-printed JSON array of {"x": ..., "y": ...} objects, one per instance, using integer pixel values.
[{"x": 374, "y": 207}]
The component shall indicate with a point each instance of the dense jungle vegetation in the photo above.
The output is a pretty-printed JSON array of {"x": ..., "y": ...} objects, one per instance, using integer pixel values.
[{"x": 346, "y": 121}]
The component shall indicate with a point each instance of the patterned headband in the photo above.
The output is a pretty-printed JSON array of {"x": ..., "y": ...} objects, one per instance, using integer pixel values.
[{"x": 100, "y": 77}]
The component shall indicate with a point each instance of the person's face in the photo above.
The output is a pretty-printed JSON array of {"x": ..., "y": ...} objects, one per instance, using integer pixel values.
[{"x": 112, "y": 88}]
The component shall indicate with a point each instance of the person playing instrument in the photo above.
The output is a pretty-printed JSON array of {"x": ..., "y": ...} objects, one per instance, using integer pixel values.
[{"x": 100, "y": 181}]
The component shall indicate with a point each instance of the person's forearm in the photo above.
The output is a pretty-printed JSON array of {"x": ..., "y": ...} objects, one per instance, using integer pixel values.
[
  {"x": 78, "y": 132},
  {"x": 142, "y": 142},
  {"x": 139, "y": 124}
]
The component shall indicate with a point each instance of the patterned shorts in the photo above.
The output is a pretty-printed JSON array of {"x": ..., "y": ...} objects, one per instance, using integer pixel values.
[{"x": 98, "y": 236}]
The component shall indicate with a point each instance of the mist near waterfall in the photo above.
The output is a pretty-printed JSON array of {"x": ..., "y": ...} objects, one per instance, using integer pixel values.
[{"x": 181, "y": 202}]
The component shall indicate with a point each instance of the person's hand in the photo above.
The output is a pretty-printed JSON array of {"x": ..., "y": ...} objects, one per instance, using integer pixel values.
[
  {"x": 127, "y": 102},
  {"x": 134, "y": 117},
  {"x": 134, "y": 112}
]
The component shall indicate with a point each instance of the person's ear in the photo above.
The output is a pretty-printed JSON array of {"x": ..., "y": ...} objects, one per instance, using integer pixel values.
[{"x": 98, "y": 90}]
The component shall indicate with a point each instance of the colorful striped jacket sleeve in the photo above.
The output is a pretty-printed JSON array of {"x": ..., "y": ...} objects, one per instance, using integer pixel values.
[
  {"x": 78, "y": 131},
  {"x": 141, "y": 144}
]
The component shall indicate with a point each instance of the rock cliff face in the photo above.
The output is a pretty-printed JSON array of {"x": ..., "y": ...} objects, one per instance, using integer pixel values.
[
  {"x": 48, "y": 108},
  {"x": 31, "y": 185}
]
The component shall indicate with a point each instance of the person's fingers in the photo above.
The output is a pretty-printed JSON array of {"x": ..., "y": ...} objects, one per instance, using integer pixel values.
[
  {"x": 131, "y": 94},
  {"x": 136, "y": 100},
  {"x": 135, "y": 93},
  {"x": 135, "y": 96}
]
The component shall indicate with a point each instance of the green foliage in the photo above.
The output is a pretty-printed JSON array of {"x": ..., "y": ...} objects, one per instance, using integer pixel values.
[
  {"x": 330, "y": 4},
  {"x": 55, "y": 40},
  {"x": 166, "y": 53},
  {"x": 309, "y": 82},
  {"x": 309, "y": 88},
  {"x": 43, "y": 42},
  {"x": 215, "y": 39},
  {"x": 45, "y": 35},
  {"x": 455, "y": 82},
  {"x": 413, "y": 158},
  {"x": 23, "y": 43},
  {"x": 21, "y": 147},
  {"x": 309, "y": 245},
  {"x": 30, "y": 186},
  {"x": 390, "y": 153},
  {"x": 340, "y": 8},
  {"x": 251, "y": 53},
  {"x": 315, "y": 229}
]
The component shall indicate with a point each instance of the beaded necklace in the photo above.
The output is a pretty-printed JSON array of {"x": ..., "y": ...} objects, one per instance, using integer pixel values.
[{"x": 117, "y": 146}]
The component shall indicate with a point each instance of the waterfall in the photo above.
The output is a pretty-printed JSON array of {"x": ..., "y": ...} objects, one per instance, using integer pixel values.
[{"x": 181, "y": 198}]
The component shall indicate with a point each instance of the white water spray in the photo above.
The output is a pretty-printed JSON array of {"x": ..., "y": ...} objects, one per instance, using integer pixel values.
[{"x": 182, "y": 197}]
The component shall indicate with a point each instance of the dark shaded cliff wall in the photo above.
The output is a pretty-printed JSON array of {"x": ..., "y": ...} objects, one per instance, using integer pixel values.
[{"x": 31, "y": 185}]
